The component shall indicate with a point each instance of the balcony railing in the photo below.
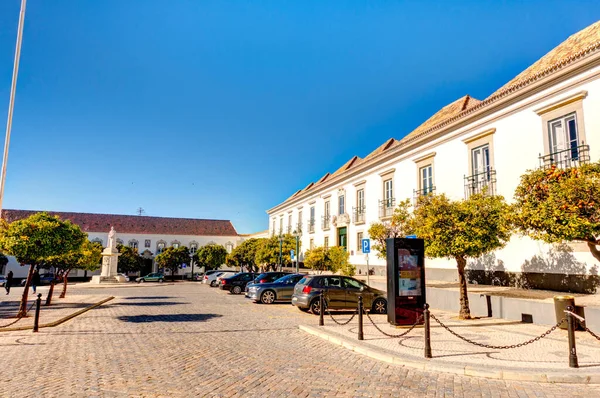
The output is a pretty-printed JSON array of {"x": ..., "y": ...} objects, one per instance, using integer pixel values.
[
  {"x": 325, "y": 220},
  {"x": 480, "y": 183},
  {"x": 417, "y": 193},
  {"x": 289, "y": 229},
  {"x": 299, "y": 227},
  {"x": 311, "y": 226},
  {"x": 572, "y": 157},
  {"x": 358, "y": 215},
  {"x": 386, "y": 207}
]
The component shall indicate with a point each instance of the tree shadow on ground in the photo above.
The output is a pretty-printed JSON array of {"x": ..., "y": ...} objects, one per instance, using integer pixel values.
[
  {"x": 151, "y": 303},
  {"x": 148, "y": 298},
  {"x": 10, "y": 309},
  {"x": 168, "y": 318}
]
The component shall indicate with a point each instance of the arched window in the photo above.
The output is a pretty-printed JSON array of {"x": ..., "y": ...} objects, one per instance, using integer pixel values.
[
  {"x": 133, "y": 244},
  {"x": 160, "y": 246},
  {"x": 193, "y": 247},
  {"x": 119, "y": 241},
  {"x": 229, "y": 247},
  {"x": 175, "y": 244},
  {"x": 97, "y": 240}
]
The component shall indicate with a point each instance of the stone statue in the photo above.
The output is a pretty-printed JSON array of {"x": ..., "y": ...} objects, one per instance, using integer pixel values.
[{"x": 112, "y": 239}]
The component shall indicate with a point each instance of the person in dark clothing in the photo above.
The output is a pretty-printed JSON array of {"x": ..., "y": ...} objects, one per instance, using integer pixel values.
[
  {"x": 9, "y": 281},
  {"x": 35, "y": 280}
]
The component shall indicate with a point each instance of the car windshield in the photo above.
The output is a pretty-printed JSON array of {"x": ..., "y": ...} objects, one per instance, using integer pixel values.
[
  {"x": 288, "y": 279},
  {"x": 305, "y": 280}
]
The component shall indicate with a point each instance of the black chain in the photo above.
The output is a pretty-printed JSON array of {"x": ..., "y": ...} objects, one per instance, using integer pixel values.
[
  {"x": 582, "y": 323},
  {"x": 18, "y": 317},
  {"x": 500, "y": 347},
  {"x": 395, "y": 335},
  {"x": 341, "y": 323}
]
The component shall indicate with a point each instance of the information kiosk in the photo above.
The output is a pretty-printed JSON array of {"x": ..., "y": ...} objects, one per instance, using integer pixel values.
[{"x": 405, "y": 280}]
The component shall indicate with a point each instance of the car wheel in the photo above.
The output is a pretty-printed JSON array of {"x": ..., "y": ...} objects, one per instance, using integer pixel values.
[
  {"x": 379, "y": 306},
  {"x": 315, "y": 306},
  {"x": 213, "y": 283},
  {"x": 268, "y": 297},
  {"x": 236, "y": 290},
  {"x": 161, "y": 280},
  {"x": 141, "y": 281},
  {"x": 303, "y": 309}
]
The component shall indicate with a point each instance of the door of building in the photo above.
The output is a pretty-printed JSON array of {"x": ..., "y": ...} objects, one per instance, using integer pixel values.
[{"x": 343, "y": 238}]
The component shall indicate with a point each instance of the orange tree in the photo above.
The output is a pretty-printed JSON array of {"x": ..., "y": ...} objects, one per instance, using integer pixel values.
[
  {"x": 37, "y": 238},
  {"x": 557, "y": 205},
  {"x": 334, "y": 259},
  {"x": 460, "y": 230},
  {"x": 244, "y": 254},
  {"x": 398, "y": 227},
  {"x": 172, "y": 258}
]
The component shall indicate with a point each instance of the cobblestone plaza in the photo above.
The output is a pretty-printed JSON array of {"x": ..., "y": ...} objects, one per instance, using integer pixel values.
[{"x": 188, "y": 340}]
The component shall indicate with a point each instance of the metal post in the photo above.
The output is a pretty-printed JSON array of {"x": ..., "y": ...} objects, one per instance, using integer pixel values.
[
  {"x": 427, "y": 332},
  {"x": 368, "y": 271},
  {"x": 11, "y": 102},
  {"x": 321, "y": 309},
  {"x": 297, "y": 255},
  {"x": 280, "y": 252},
  {"x": 571, "y": 331},
  {"x": 192, "y": 262},
  {"x": 36, "y": 321},
  {"x": 361, "y": 336}
]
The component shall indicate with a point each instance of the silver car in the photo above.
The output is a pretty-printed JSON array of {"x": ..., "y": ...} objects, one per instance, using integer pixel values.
[{"x": 279, "y": 290}]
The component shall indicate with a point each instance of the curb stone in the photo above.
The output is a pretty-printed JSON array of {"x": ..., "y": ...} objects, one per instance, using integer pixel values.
[
  {"x": 62, "y": 320},
  {"x": 572, "y": 376}
]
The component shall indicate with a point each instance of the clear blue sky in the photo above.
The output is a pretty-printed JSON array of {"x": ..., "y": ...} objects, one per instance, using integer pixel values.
[{"x": 222, "y": 109}]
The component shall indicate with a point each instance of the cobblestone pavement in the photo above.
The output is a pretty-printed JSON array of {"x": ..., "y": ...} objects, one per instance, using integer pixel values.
[{"x": 191, "y": 340}]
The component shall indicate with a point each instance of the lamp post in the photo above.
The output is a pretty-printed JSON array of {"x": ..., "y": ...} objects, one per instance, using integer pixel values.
[
  {"x": 192, "y": 264},
  {"x": 280, "y": 252},
  {"x": 297, "y": 236},
  {"x": 11, "y": 102}
]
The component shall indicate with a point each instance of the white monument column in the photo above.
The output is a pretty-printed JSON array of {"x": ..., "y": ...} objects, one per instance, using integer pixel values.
[{"x": 110, "y": 259}]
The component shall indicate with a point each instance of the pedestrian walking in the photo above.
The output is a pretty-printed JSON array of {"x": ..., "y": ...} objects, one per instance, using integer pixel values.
[
  {"x": 35, "y": 280},
  {"x": 9, "y": 280}
]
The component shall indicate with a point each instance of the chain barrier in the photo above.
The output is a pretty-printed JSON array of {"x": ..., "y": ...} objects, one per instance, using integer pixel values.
[
  {"x": 582, "y": 323},
  {"x": 338, "y": 322},
  {"x": 19, "y": 317},
  {"x": 499, "y": 347},
  {"x": 394, "y": 335}
]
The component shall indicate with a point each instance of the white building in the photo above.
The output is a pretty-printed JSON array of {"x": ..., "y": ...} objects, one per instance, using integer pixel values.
[
  {"x": 150, "y": 235},
  {"x": 547, "y": 114}
]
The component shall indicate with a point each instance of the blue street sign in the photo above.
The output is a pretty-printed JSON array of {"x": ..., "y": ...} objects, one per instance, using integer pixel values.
[
  {"x": 183, "y": 265},
  {"x": 366, "y": 246},
  {"x": 292, "y": 254},
  {"x": 411, "y": 237}
]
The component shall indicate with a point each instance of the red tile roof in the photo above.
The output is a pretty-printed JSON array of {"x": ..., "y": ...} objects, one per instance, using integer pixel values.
[{"x": 90, "y": 222}]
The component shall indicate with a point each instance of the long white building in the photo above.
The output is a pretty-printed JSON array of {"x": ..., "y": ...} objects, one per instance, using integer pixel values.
[{"x": 548, "y": 114}]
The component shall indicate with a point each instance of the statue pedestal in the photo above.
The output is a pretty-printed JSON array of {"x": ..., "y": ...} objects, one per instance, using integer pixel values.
[{"x": 110, "y": 259}]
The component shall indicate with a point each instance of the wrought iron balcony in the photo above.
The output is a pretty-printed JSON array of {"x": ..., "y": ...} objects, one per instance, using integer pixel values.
[
  {"x": 311, "y": 226},
  {"x": 417, "y": 193},
  {"x": 480, "y": 183},
  {"x": 386, "y": 207},
  {"x": 325, "y": 222},
  {"x": 299, "y": 227},
  {"x": 572, "y": 157},
  {"x": 358, "y": 215}
]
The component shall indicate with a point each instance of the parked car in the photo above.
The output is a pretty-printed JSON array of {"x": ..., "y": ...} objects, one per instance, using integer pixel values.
[
  {"x": 341, "y": 292},
  {"x": 236, "y": 284},
  {"x": 267, "y": 277},
  {"x": 123, "y": 277},
  {"x": 2, "y": 280},
  {"x": 198, "y": 276},
  {"x": 278, "y": 290},
  {"x": 220, "y": 276},
  {"x": 153, "y": 277},
  {"x": 45, "y": 279},
  {"x": 211, "y": 275}
]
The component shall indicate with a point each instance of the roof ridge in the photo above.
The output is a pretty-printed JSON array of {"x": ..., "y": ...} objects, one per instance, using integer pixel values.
[{"x": 116, "y": 215}]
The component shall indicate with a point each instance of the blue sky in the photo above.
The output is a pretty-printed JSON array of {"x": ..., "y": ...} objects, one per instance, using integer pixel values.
[{"x": 222, "y": 109}]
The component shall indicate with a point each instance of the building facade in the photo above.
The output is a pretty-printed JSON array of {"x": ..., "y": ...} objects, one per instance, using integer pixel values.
[
  {"x": 547, "y": 115},
  {"x": 150, "y": 235}
]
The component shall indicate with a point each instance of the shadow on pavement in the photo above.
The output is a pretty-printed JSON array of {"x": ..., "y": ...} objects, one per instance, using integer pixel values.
[
  {"x": 148, "y": 298},
  {"x": 168, "y": 318},
  {"x": 150, "y": 303}
]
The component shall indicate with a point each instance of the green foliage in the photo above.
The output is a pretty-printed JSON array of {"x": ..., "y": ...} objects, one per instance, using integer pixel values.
[
  {"x": 39, "y": 237},
  {"x": 462, "y": 229},
  {"x": 129, "y": 259},
  {"x": 212, "y": 256},
  {"x": 268, "y": 250},
  {"x": 557, "y": 205},
  {"x": 334, "y": 259},
  {"x": 398, "y": 227},
  {"x": 244, "y": 254},
  {"x": 172, "y": 258}
]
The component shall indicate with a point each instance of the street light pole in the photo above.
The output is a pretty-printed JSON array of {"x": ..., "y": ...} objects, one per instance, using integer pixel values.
[
  {"x": 297, "y": 254},
  {"x": 192, "y": 263},
  {"x": 11, "y": 103}
]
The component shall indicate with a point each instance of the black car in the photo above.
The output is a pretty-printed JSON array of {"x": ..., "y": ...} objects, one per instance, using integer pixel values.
[
  {"x": 268, "y": 277},
  {"x": 236, "y": 284}
]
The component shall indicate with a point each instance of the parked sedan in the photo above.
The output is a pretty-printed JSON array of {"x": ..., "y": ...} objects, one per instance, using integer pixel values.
[
  {"x": 45, "y": 279},
  {"x": 341, "y": 292},
  {"x": 267, "y": 277},
  {"x": 237, "y": 283},
  {"x": 153, "y": 277},
  {"x": 279, "y": 290},
  {"x": 220, "y": 276}
]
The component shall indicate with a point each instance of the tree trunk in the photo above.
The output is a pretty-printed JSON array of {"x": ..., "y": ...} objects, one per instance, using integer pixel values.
[
  {"x": 64, "y": 291},
  {"x": 23, "y": 307},
  {"x": 592, "y": 245},
  {"x": 49, "y": 298},
  {"x": 465, "y": 312}
]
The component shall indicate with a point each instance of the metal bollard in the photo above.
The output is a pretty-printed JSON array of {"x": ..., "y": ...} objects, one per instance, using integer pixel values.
[
  {"x": 36, "y": 321},
  {"x": 361, "y": 336},
  {"x": 571, "y": 331},
  {"x": 427, "y": 330},
  {"x": 321, "y": 308}
]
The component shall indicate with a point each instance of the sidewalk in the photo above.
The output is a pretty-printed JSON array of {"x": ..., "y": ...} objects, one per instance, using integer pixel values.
[
  {"x": 59, "y": 309},
  {"x": 546, "y": 360}
]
